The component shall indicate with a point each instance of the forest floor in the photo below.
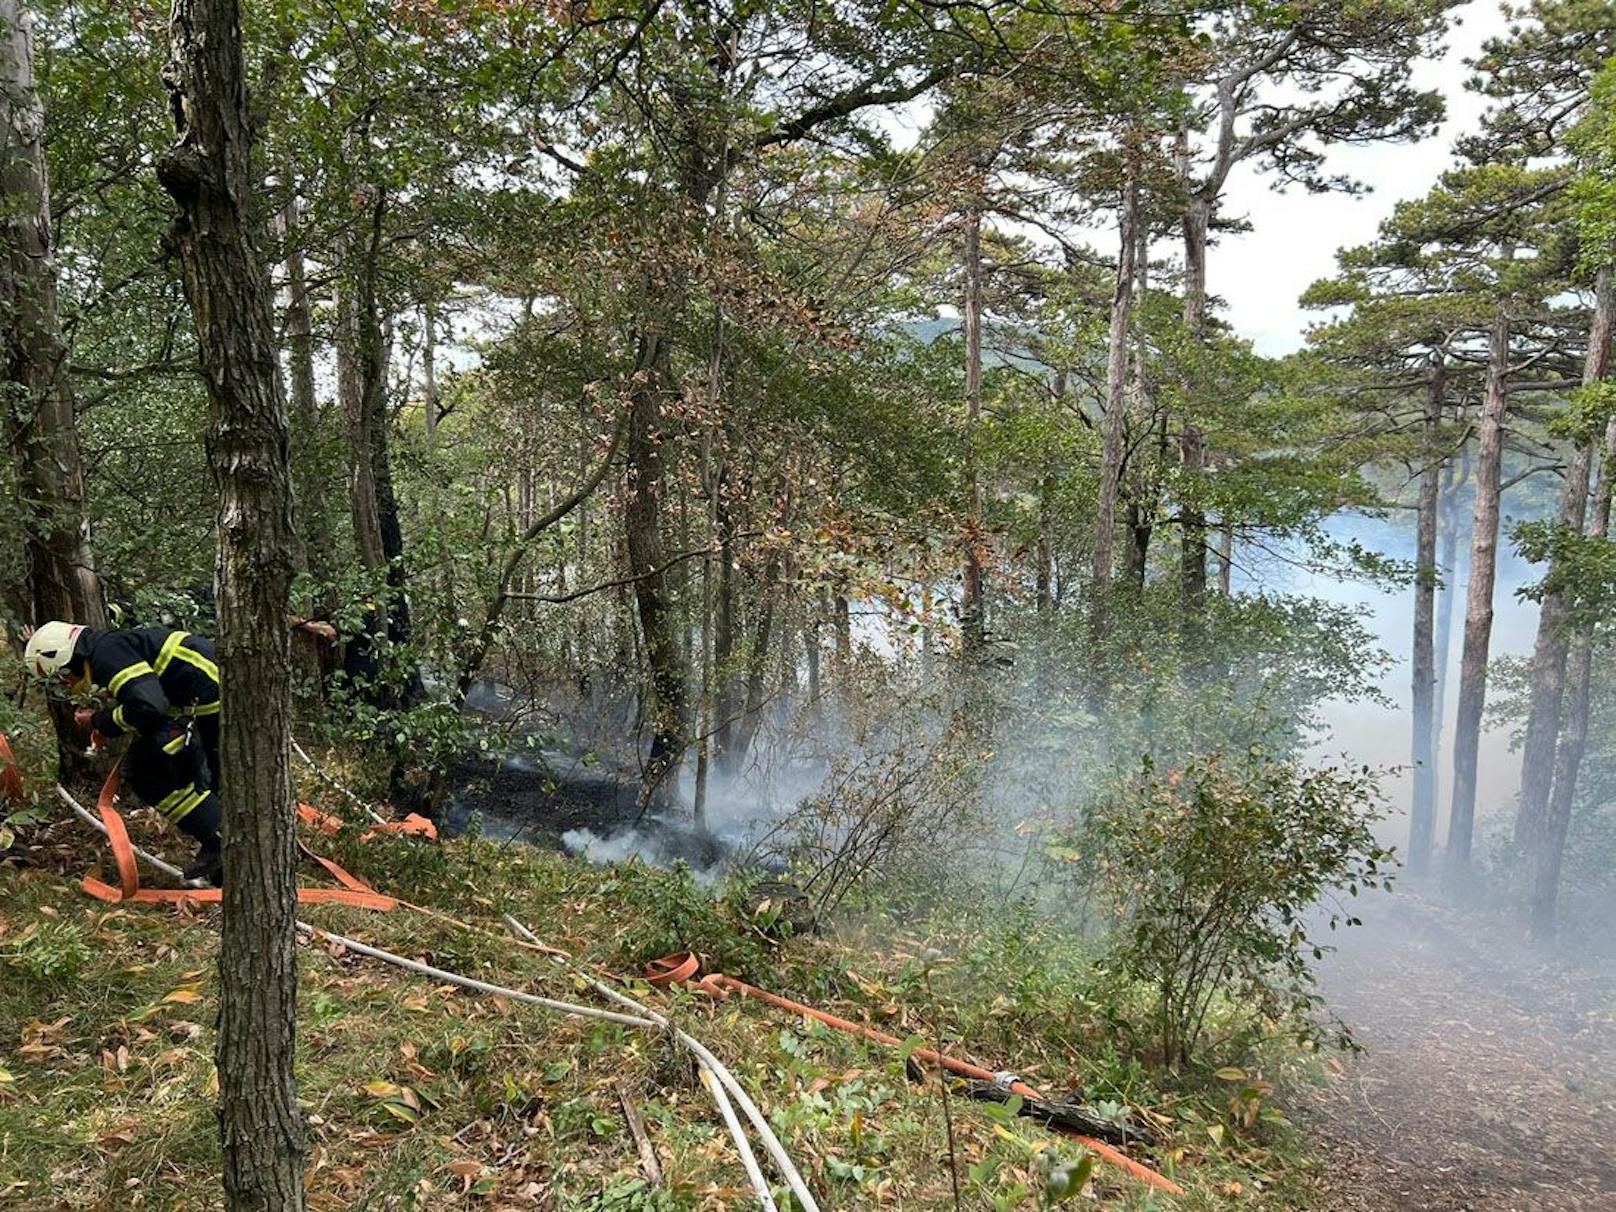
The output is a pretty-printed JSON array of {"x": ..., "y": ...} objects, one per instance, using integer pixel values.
[
  {"x": 420, "y": 1095},
  {"x": 1488, "y": 1080}
]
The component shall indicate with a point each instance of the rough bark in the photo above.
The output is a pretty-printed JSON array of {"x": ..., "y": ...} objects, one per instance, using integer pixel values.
[
  {"x": 1422, "y": 818},
  {"x": 207, "y": 172},
  {"x": 1550, "y": 650},
  {"x": 1114, "y": 424},
  {"x": 642, "y": 519},
  {"x": 1548, "y": 856},
  {"x": 973, "y": 610},
  {"x": 59, "y": 579},
  {"x": 1479, "y": 598}
]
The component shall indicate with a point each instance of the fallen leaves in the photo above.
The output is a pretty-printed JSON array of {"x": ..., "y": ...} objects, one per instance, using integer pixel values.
[{"x": 401, "y": 1102}]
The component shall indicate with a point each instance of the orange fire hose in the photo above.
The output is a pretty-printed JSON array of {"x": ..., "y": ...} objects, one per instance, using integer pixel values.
[
  {"x": 354, "y": 891},
  {"x": 11, "y": 787},
  {"x": 681, "y": 968}
]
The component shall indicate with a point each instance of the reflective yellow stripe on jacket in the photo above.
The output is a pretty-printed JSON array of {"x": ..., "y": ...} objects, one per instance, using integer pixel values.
[
  {"x": 174, "y": 647},
  {"x": 128, "y": 674}
]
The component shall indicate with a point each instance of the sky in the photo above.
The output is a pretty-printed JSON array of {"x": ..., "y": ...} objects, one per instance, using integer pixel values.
[{"x": 1260, "y": 274}]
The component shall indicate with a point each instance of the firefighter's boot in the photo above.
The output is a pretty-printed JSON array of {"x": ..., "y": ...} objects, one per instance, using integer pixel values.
[{"x": 202, "y": 823}]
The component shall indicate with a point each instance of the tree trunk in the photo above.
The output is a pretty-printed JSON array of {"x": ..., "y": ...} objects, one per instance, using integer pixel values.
[
  {"x": 1449, "y": 564},
  {"x": 1044, "y": 578},
  {"x": 810, "y": 646},
  {"x": 59, "y": 571},
  {"x": 352, "y": 379},
  {"x": 1192, "y": 444},
  {"x": 756, "y": 666},
  {"x": 314, "y": 526},
  {"x": 1549, "y": 652},
  {"x": 209, "y": 176},
  {"x": 844, "y": 639},
  {"x": 1114, "y": 424},
  {"x": 973, "y": 617},
  {"x": 1422, "y": 818},
  {"x": 1549, "y": 854},
  {"x": 642, "y": 520},
  {"x": 1479, "y": 598},
  {"x": 727, "y": 688},
  {"x": 399, "y": 629},
  {"x": 364, "y": 351},
  {"x": 429, "y": 370}
]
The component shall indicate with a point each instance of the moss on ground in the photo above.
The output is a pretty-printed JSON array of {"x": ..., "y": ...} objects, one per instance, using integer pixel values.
[{"x": 423, "y": 1096}]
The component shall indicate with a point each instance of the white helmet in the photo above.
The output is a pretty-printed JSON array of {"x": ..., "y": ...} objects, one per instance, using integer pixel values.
[{"x": 50, "y": 648}]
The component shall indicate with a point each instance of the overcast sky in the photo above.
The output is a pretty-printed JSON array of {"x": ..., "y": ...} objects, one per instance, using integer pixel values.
[{"x": 1260, "y": 274}]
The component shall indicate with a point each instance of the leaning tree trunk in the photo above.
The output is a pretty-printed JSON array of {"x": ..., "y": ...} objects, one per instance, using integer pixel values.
[
  {"x": 59, "y": 571},
  {"x": 1114, "y": 424},
  {"x": 1422, "y": 819},
  {"x": 208, "y": 173},
  {"x": 1549, "y": 652},
  {"x": 1479, "y": 598},
  {"x": 1549, "y": 854}
]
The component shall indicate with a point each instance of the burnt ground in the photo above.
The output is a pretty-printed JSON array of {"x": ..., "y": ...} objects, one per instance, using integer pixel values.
[
  {"x": 1488, "y": 1081},
  {"x": 537, "y": 802}
]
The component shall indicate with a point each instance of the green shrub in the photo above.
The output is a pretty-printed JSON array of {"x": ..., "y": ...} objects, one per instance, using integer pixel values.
[
  {"x": 47, "y": 953},
  {"x": 667, "y": 911},
  {"x": 1214, "y": 869}
]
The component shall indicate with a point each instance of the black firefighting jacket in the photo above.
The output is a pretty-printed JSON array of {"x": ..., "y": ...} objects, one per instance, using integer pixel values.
[{"x": 156, "y": 678}]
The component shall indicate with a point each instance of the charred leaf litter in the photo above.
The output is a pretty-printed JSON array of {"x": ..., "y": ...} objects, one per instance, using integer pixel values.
[{"x": 577, "y": 802}]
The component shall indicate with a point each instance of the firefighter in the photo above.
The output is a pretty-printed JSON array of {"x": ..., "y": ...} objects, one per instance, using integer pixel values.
[{"x": 162, "y": 688}]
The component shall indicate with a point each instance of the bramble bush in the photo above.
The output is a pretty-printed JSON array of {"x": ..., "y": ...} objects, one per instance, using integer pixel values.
[{"x": 1215, "y": 870}]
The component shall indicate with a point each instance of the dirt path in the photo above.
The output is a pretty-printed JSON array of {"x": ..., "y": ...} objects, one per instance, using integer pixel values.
[{"x": 1489, "y": 1080}]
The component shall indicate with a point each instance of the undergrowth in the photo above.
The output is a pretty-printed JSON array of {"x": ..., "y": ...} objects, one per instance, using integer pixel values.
[{"x": 419, "y": 1095}]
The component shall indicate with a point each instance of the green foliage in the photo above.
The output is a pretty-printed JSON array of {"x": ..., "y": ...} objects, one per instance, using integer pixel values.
[
  {"x": 1593, "y": 192},
  {"x": 1213, "y": 870},
  {"x": 50, "y": 953},
  {"x": 637, "y": 1195},
  {"x": 663, "y": 912}
]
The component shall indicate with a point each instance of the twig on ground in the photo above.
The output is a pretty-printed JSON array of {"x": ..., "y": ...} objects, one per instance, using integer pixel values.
[{"x": 636, "y": 1128}]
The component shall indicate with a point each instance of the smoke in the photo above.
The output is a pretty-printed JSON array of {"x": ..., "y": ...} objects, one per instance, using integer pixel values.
[{"x": 1379, "y": 735}]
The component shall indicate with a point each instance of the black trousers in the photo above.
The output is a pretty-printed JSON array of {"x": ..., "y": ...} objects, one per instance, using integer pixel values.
[{"x": 177, "y": 773}]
